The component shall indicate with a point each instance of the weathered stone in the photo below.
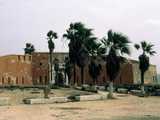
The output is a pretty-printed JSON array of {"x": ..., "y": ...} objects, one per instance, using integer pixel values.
[
  {"x": 91, "y": 97},
  {"x": 122, "y": 90},
  {"x": 157, "y": 92},
  {"x": 101, "y": 87},
  {"x": 85, "y": 87},
  {"x": 88, "y": 97},
  {"x": 136, "y": 92},
  {"x": 46, "y": 100},
  {"x": 4, "y": 101}
]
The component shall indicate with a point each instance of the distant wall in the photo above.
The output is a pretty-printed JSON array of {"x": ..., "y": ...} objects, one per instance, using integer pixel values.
[
  {"x": 150, "y": 76},
  {"x": 158, "y": 78},
  {"x": 16, "y": 70},
  {"x": 125, "y": 75},
  {"x": 40, "y": 66}
]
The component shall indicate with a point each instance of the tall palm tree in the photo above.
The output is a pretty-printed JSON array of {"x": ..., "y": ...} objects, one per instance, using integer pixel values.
[
  {"x": 50, "y": 36},
  {"x": 94, "y": 69},
  {"x": 96, "y": 50},
  {"x": 71, "y": 35},
  {"x": 147, "y": 50},
  {"x": 117, "y": 45},
  {"x": 79, "y": 36},
  {"x": 29, "y": 49}
]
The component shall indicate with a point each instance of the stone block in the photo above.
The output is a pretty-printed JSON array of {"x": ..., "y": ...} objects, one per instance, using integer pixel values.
[
  {"x": 136, "y": 92},
  {"x": 88, "y": 97},
  {"x": 46, "y": 100},
  {"x": 157, "y": 92},
  {"x": 122, "y": 90},
  {"x": 101, "y": 87},
  {"x": 4, "y": 101}
]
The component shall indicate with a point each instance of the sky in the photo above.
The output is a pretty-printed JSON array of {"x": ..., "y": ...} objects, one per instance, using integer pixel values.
[{"x": 23, "y": 21}]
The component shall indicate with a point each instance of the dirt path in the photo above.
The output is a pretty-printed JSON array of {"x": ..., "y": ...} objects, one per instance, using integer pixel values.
[{"x": 124, "y": 108}]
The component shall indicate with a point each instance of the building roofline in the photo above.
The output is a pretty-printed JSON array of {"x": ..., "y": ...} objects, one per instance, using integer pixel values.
[
  {"x": 53, "y": 52},
  {"x": 136, "y": 61},
  {"x": 8, "y": 55}
]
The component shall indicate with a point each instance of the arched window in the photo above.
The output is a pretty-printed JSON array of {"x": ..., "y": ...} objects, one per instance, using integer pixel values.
[
  {"x": 22, "y": 80},
  {"x": 30, "y": 58},
  {"x": 24, "y": 57},
  {"x": 16, "y": 80},
  {"x": 46, "y": 80},
  {"x": 9, "y": 80},
  {"x": 19, "y": 58},
  {"x": 40, "y": 80},
  {"x": 2, "y": 80}
]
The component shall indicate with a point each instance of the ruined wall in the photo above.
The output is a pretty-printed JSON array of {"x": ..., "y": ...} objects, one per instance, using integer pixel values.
[
  {"x": 125, "y": 75},
  {"x": 149, "y": 77},
  {"x": 40, "y": 66},
  {"x": 34, "y": 70},
  {"x": 15, "y": 70}
]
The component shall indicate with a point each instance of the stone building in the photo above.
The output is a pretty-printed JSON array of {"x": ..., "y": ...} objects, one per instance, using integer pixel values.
[
  {"x": 129, "y": 74},
  {"x": 27, "y": 70},
  {"x": 34, "y": 70},
  {"x": 16, "y": 70}
]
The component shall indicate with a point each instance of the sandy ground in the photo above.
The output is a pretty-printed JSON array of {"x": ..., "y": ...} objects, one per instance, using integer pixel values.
[
  {"x": 18, "y": 95},
  {"x": 125, "y": 107}
]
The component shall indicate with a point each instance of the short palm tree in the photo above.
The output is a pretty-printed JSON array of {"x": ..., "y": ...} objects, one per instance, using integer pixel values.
[
  {"x": 29, "y": 49},
  {"x": 147, "y": 50},
  {"x": 68, "y": 70},
  {"x": 117, "y": 45},
  {"x": 50, "y": 36},
  {"x": 56, "y": 69}
]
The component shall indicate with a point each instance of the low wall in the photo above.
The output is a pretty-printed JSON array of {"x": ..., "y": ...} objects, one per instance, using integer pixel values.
[{"x": 46, "y": 100}]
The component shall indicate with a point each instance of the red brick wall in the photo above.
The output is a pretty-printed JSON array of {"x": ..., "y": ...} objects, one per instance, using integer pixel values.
[
  {"x": 15, "y": 70},
  {"x": 125, "y": 76},
  {"x": 40, "y": 68}
]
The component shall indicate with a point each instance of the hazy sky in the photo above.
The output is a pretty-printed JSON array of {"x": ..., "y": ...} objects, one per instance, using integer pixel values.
[{"x": 24, "y": 21}]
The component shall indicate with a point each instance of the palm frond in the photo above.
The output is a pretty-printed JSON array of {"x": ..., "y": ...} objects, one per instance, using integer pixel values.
[
  {"x": 125, "y": 50},
  {"x": 152, "y": 53},
  {"x": 144, "y": 45},
  {"x": 137, "y": 46}
]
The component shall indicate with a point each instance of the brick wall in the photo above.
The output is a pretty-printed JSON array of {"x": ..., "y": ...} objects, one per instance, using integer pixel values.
[
  {"x": 15, "y": 70},
  {"x": 125, "y": 75}
]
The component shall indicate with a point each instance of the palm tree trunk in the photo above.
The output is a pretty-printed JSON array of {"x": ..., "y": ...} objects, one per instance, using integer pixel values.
[
  {"x": 142, "y": 83},
  {"x": 51, "y": 76},
  {"x": 94, "y": 81},
  {"x": 82, "y": 75},
  {"x": 74, "y": 74},
  {"x": 110, "y": 94}
]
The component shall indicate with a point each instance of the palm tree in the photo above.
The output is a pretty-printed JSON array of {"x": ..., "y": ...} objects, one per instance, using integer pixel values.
[
  {"x": 79, "y": 36},
  {"x": 117, "y": 45},
  {"x": 94, "y": 70},
  {"x": 50, "y": 36},
  {"x": 56, "y": 69},
  {"x": 68, "y": 70},
  {"x": 147, "y": 50},
  {"x": 29, "y": 49},
  {"x": 73, "y": 46},
  {"x": 96, "y": 50}
]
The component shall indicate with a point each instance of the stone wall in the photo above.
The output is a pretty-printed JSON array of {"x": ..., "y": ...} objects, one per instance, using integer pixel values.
[
  {"x": 150, "y": 76},
  {"x": 125, "y": 75},
  {"x": 16, "y": 70}
]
